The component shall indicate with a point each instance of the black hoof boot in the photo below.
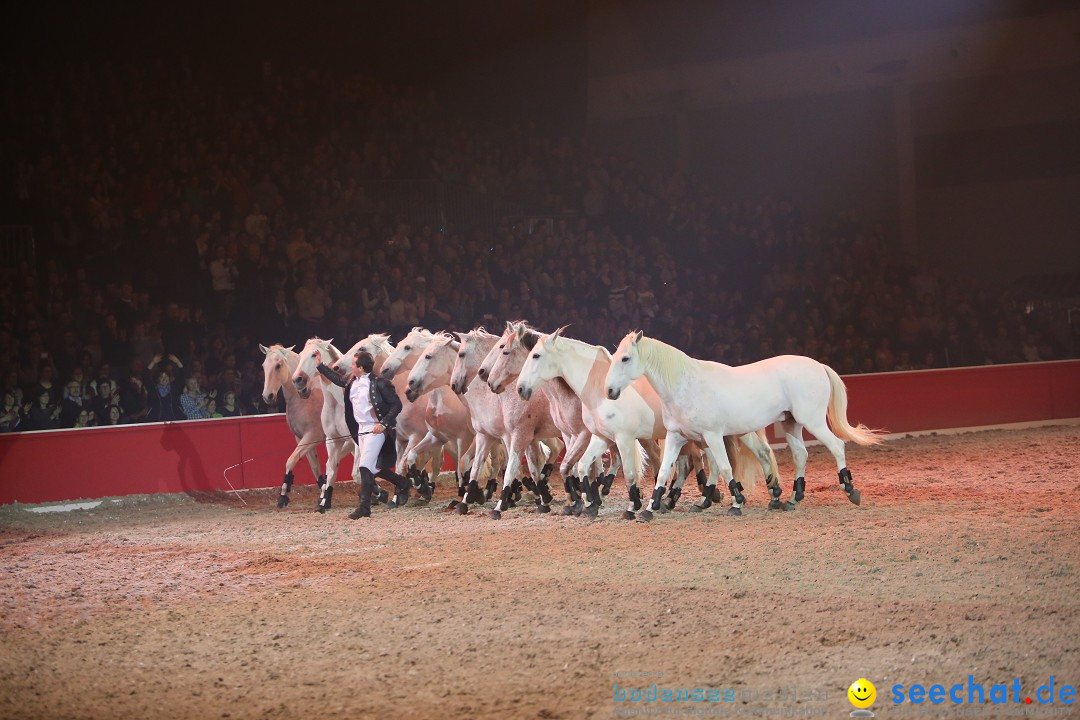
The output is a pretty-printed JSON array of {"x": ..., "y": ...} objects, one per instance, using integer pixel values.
[
  {"x": 327, "y": 500},
  {"x": 544, "y": 490},
  {"x": 702, "y": 480},
  {"x": 635, "y": 497},
  {"x": 734, "y": 511},
  {"x": 717, "y": 495},
  {"x": 542, "y": 509},
  {"x": 282, "y": 501},
  {"x": 489, "y": 489},
  {"x": 800, "y": 493},
  {"x": 515, "y": 487},
  {"x": 529, "y": 484},
  {"x": 645, "y": 516},
  {"x": 673, "y": 497},
  {"x": 286, "y": 488},
  {"x": 320, "y": 481},
  {"x": 591, "y": 511},
  {"x": 495, "y": 514},
  {"x": 628, "y": 515},
  {"x": 462, "y": 508},
  {"x": 572, "y": 493},
  {"x": 573, "y": 509},
  {"x": 705, "y": 504}
]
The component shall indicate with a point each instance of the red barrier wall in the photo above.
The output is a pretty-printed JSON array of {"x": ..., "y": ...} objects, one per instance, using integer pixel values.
[{"x": 192, "y": 456}]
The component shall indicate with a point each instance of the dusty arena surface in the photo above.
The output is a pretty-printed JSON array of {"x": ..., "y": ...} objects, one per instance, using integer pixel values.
[{"x": 964, "y": 559}]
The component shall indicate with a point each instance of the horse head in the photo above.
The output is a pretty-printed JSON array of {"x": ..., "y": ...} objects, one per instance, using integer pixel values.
[
  {"x": 433, "y": 367},
  {"x": 277, "y": 367},
  {"x": 376, "y": 345},
  {"x": 407, "y": 352},
  {"x": 475, "y": 346},
  {"x": 539, "y": 364},
  {"x": 306, "y": 366},
  {"x": 505, "y": 360},
  {"x": 626, "y": 365}
]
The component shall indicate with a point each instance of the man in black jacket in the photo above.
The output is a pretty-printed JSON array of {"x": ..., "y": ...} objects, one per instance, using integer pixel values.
[{"x": 371, "y": 410}]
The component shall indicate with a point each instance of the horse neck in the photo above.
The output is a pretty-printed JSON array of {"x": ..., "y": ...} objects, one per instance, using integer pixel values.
[
  {"x": 584, "y": 368},
  {"x": 659, "y": 361}
]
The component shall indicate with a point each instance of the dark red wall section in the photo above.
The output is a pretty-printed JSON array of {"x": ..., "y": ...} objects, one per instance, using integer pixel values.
[{"x": 194, "y": 456}]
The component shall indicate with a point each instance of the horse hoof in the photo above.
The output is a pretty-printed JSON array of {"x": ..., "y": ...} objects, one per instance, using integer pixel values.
[
  {"x": 855, "y": 496},
  {"x": 669, "y": 504},
  {"x": 462, "y": 508},
  {"x": 629, "y": 515},
  {"x": 495, "y": 515},
  {"x": 321, "y": 509},
  {"x": 567, "y": 510},
  {"x": 645, "y": 516},
  {"x": 734, "y": 511},
  {"x": 451, "y": 505},
  {"x": 543, "y": 509},
  {"x": 717, "y": 495},
  {"x": 663, "y": 508},
  {"x": 789, "y": 506},
  {"x": 591, "y": 511},
  {"x": 282, "y": 501},
  {"x": 776, "y": 505},
  {"x": 383, "y": 496}
]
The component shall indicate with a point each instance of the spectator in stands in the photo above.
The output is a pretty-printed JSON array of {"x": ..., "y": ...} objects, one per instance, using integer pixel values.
[
  {"x": 193, "y": 400},
  {"x": 11, "y": 415},
  {"x": 43, "y": 415},
  {"x": 163, "y": 399},
  {"x": 312, "y": 304}
]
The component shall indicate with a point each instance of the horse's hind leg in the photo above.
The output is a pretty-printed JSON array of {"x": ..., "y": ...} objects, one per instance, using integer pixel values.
[
  {"x": 757, "y": 445},
  {"x": 793, "y": 433},
  {"x": 631, "y": 471},
  {"x": 835, "y": 445}
]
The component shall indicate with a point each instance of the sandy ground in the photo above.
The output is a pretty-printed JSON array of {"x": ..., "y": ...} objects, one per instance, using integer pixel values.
[{"x": 964, "y": 559}]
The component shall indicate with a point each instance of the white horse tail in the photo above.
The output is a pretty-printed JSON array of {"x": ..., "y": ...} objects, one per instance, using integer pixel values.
[
  {"x": 859, "y": 434},
  {"x": 744, "y": 464},
  {"x": 640, "y": 459}
]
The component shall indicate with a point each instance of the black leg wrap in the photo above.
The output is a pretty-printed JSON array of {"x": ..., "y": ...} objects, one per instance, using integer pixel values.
[
  {"x": 288, "y": 481},
  {"x": 461, "y": 489},
  {"x": 506, "y": 495},
  {"x": 467, "y": 474},
  {"x": 577, "y": 483},
  {"x": 546, "y": 470},
  {"x": 774, "y": 487},
  {"x": 735, "y": 488},
  {"x": 475, "y": 495},
  {"x": 702, "y": 480},
  {"x": 635, "y": 496},
  {"x": 545, "y": 491},
  {"x": 529, "y": 484},
  {"x": 572, "y": 494},
  {"x": 605, "y": 481},
  {"x": 489, "y": 489},
  {"x": 321, "y": 480},
  {"x": 673, "y": 497},
  {"x": 800, "y": 488},
  {"x": 845, "y": 480},
  {"x": 657, "y": 495}
]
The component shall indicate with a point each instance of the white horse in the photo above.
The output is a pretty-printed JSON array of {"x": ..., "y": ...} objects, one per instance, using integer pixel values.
[
  {"x": 434, "y": 419},
  {"x": 706, "y": 400},
  {"x": 301, "y": 414},
  {"x": 501, "y": 367},
  {"x": 519, "y": 425},
  {"x": 631, "y": 420},
  {"x": 339, "y": 442}
]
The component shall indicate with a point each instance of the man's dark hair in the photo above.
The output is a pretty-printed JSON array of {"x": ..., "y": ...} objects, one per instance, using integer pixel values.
[{"x": 364, "y": 360}]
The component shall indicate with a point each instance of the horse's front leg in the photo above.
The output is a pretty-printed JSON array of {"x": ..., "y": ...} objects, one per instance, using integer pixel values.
[
  {"x": 469, "y": 487},
  {"x": 540, "y": 486},
  {"x": 335, "y": 451},
  {"x": 518, "y": 444},
  {"x": 719, "y": 461},
  {"x": 632, "y": 471},
  {"x": 758, "y": 445},
  {"x": 673, "y": 443},
  {"x": 590, "y": 465},
  {"x": 299, "y": 451}
]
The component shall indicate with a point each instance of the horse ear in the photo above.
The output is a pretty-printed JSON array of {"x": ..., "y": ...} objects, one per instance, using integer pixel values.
[
  {"x": 521, "y": 330},
  {"x": 637, "y": 336},
  {"x": 456, "y": 335},
  {"x": 330, "y": 341},
  {"x": 558, "y": 333},
  {"x": 265, "y": 350},
  {"x": 291, "y": 347}
]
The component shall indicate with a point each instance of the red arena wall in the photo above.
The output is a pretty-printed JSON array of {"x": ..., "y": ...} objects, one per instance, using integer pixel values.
[{"x": 207, "y": 455}]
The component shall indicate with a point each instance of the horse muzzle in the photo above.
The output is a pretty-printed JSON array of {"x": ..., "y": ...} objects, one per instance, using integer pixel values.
[
  {"x": 497, "y": 389},
  {"x": 613, "y": 394},
  {"x": 483, "y": 374},
  {"x": 411, "y": 394},
  {"x": 269, "y": 398},
  {"x": 525, "y": 393}
]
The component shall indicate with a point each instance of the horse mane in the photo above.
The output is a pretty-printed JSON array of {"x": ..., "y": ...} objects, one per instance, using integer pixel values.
[
  {"x": 480, "y": 332},
  {"x": 669, "y": 362},
  {"x": 532, "y": 335},
  {"x": 584, "y": 345},
  {"x": 335, "y": 354}
]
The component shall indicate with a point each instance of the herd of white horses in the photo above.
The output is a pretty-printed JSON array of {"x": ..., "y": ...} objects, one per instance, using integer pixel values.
[{"x": 492, "y": 400}]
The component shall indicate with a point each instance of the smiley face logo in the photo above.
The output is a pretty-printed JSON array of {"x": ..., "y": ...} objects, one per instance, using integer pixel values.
[{"x": 862, "y": 693}]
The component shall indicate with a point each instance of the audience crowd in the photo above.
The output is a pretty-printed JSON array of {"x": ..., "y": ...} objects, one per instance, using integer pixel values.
[{"x": 181, "y": 221}]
